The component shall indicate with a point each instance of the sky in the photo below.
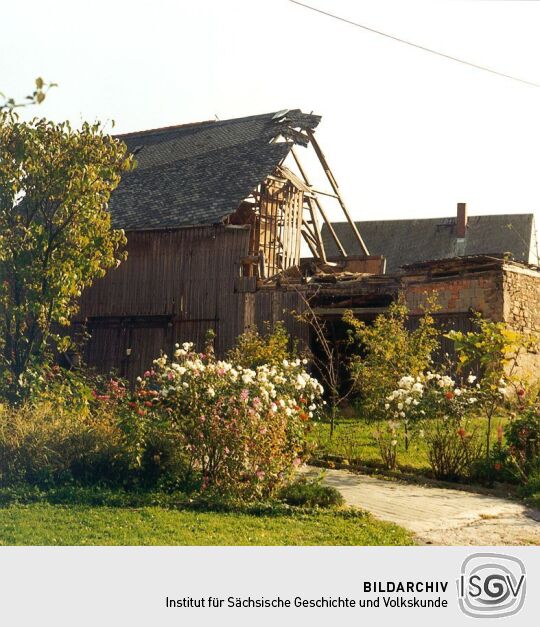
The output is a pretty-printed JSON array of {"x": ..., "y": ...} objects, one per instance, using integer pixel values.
[{"x": 408, "y": 134}]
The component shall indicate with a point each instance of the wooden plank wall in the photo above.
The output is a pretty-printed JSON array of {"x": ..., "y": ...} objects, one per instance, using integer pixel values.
[
  {"x": 170, "y": 273},
  {"x": 271, "y": 306},
  {"x": 445, "y": 322},
  {"x": 174, "y": 287}
]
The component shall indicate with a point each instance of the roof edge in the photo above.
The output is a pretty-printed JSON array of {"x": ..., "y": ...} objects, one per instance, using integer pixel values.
[
  {"x": 486, "y": 215},
  {"x": 165, "y": 129}
]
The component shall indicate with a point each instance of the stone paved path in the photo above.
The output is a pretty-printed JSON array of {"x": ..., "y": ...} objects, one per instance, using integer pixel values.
[{"x": 438, "y": 515}]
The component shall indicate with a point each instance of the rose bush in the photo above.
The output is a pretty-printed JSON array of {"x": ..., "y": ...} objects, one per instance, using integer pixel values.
[
  {"x": 439, "y": 411},
  {"x": 241, "y": 430}
]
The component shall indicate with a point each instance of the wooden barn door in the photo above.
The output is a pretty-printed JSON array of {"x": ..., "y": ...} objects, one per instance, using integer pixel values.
[
  {"x": 146, "y": 343},
  {"x": 127, "y": 346},
  {"x": 106, "y": 348}
]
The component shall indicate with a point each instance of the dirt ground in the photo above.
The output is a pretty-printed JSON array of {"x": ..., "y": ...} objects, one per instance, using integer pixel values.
[{"x": 438, "y": 516}]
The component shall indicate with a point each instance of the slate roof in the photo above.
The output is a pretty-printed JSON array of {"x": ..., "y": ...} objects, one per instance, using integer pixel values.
[
  {"x": 198, "y": 174},
  {"x": 408, "y": 241}
]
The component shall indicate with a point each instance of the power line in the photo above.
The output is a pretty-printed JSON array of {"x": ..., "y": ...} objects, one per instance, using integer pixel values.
[{"x": 410, "y": 43}]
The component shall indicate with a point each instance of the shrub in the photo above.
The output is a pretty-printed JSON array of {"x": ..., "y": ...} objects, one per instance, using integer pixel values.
[
  {"x": 523, "y": 440},
  {"x": 388, "y": 348},
  {"x": 386, "y": 434},
  {"x": 310, "y": 493},
  {"x": 44, "y": 445},
  {"x": 270, "y": 348},
  {"x": 438, "y": 410},
  {"x": 532, "y": 486},
  {"x": 55, "y": 234},
  {"x": 453, "y": 449},
  {"x": 241, "y": 430},
  {"x": 495, "y": 349},
  {"x": 67, "y": 390},
  {"x": 498, "y": 467}
]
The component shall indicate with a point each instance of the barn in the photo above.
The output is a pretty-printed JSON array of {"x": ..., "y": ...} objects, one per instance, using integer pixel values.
[
  {"x": 217, "y": 215},
  {"x": 214, "y": 213}
]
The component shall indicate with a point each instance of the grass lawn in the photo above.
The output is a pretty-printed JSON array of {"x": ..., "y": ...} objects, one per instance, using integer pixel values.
[
  {"x": 354, "y": 439},
  {"x": 45, "y": 523}
]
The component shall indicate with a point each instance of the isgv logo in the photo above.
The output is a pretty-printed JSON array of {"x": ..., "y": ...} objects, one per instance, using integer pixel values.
[{"x": 491, "y": 585}]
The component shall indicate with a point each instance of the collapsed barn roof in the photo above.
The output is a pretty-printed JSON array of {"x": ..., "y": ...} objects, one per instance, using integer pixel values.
[
  {"x": 198, "y": 174},
  {"x": 405, "y": 242}
]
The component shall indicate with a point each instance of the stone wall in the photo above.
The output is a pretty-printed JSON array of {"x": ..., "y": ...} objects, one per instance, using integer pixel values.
[
  {"x": 522, "y": 311},
  {"x": 522, "y": 298}
]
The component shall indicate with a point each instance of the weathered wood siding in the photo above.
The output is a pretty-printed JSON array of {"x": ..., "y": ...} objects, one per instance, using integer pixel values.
[{"x": 174, "y": 287}]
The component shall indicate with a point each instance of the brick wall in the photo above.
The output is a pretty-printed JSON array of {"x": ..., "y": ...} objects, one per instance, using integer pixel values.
[
  {"x": 458, "y": 294},
  {"x": 506, "y": 292}
]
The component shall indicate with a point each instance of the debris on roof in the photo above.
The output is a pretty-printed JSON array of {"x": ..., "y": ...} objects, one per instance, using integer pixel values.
[{"x": 198, "y": 174}]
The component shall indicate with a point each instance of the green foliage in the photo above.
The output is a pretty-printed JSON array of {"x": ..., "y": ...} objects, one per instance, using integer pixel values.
[
  {"x": 499, "y": 467},
  {"x": 194, "y": 424},
  {"x": 433, "y": 406},
  {"x": 311, "y": 493},
  {"x": 531, "y": 488},
  {"x": 495, "y": 349},
  {"x": 453, "y": 447},
  {"x": 355, "y": 442},
  {"x": 241, "y": 431},
  {"x": 45, "y": 445},
  {"x": 67, "y": 390},
  {"x": 55, "y": 234},
  {"x": 271, "y": 347},
  {"x": 7, "y": 105},
  {"x": 523, "y": 440},
  {"x": 387, "y": 434},
  {"x": 387, "y": 351}
]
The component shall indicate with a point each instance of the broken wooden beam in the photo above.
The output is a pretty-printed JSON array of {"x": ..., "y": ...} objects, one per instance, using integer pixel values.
[
  {"x": 335, "y": 187},
  {"x": 320, "y": 208}
]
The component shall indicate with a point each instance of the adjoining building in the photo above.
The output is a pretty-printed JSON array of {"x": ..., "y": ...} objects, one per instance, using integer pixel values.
[
  {"x": 215, "y": 215},
  {"x": 408, "y": 241}
]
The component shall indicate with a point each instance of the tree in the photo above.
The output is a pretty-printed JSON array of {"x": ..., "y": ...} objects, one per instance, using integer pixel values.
[
  {"x": 36, "y": 97},
  {"x": 55, "y": 231},
  {"x": 388, "y": 351}
]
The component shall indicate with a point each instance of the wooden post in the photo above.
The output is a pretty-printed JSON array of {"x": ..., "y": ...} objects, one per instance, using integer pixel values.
[
  {"x": 320, "y": 246},
  {"x": 335, "y": 187},
  {"x": 310, "y": 241},
  {"x": 323, "y": 214}
]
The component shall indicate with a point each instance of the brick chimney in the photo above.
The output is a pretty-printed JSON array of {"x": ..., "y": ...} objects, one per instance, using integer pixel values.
[{"x": 461, "y": 222}]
